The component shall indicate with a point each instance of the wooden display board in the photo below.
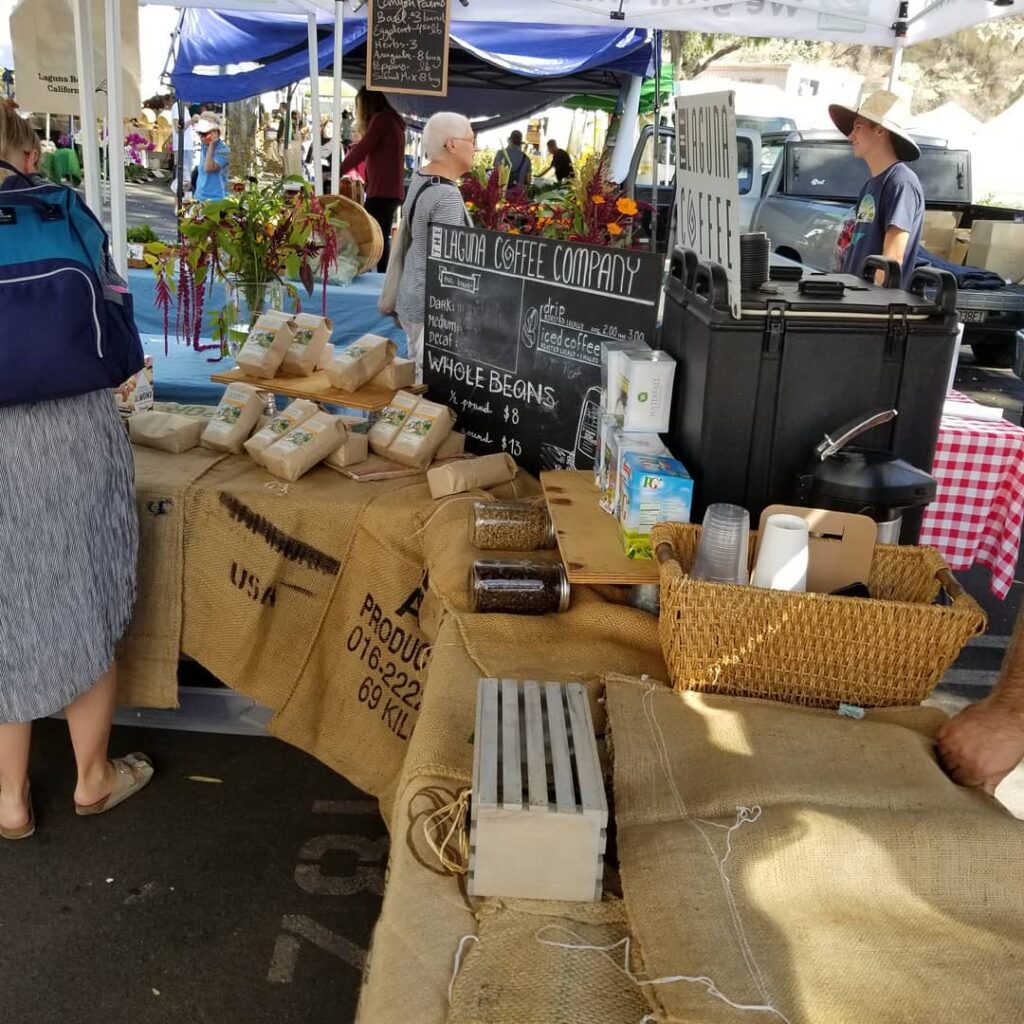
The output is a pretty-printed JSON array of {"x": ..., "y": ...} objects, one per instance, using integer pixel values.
[
  {"x": 407, "y": 46},
  {"x": 316, "y": 387},
  {"x": 588, "y": 538},
  {"x": 512, "y": 337}
]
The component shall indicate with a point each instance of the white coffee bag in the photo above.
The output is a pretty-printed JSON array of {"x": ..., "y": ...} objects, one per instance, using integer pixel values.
[
  {"x": 236, "y": 415},
  {"x": 265, "y": 347},
  {"x": 312, "y": 333},
  {"x": 291, "y": 416},
  {"x": 352, "y": 450},
  {"x": 167, "y": 431},
  {"x": 304, "y": 446},
  {"x": 355, "y": 364},
  {"x": 399, "y": 373},
  {"x": 421, "y": 435},
  {"x": 391, "y": 421}
]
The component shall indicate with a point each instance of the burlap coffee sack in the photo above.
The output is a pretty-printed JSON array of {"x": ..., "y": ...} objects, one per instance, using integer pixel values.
[
  {"x": 147, "y": 656},
  {"x": 425, "y": 912},
  {"x": 512, "y": 976},
  {"x": 262, "y": 559},
  {"x": 867, "y": 888},
  {"x": 357, "y": 694}
]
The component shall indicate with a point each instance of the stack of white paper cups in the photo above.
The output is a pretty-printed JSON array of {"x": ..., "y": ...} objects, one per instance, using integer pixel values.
[{"x": 782, "y": 554}]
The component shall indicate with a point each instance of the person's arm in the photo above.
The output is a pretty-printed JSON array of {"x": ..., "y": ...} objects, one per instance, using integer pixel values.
[
  {"x": 358, "y": 152},
  {"x": 210, "y": 164},
  {"x": 985, "y": 742},
  {"x": 550, "y": 166}
]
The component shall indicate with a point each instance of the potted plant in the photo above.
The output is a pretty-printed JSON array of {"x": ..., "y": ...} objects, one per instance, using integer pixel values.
[
  {"x": 257, "y": 242},
  {"x": 138, "y": 236}
]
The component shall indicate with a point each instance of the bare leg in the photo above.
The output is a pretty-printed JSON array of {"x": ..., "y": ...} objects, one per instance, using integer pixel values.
[
  {"x": 14, "y": 743},
  {"x": 89, "y": 720}
]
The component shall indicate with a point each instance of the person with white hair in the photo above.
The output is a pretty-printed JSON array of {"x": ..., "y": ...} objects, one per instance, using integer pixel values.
[{"x": 449, "y": 147}]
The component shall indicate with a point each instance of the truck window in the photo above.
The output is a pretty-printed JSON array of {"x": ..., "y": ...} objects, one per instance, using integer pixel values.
[
  {"x": 666, "y": 160},
  {"x": 745, "y": 164}
]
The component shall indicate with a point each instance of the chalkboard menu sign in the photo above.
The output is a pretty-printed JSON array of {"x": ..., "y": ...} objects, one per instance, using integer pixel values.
[
  {"x": 512, "y": 337},
  {"x": 407, "y": 43}
]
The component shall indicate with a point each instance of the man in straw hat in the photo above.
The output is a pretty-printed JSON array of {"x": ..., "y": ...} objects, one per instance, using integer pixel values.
[{"x": 890, "y": 209}]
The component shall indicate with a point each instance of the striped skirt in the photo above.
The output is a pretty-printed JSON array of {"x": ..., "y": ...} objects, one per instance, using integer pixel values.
[{"x": 68, "y": 544}]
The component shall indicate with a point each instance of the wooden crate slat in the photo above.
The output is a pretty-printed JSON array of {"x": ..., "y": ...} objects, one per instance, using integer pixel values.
[
  {"x": 536, "y": 755},
  {"x": 565, "y": 795},
  {"x": 511, "y": 765},
  {"x": 588, "y": 767},
  {"x": 486, "y": 745}
]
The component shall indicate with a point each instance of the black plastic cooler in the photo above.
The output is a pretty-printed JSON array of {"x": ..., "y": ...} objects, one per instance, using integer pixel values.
[{"x": 754, "y": 396}]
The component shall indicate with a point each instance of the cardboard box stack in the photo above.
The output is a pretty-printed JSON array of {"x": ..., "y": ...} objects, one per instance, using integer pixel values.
[{"x": 998, "y": 245}]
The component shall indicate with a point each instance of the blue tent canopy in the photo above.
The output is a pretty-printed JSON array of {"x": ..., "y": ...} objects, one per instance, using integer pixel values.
[{"x": 497, "y": 71}]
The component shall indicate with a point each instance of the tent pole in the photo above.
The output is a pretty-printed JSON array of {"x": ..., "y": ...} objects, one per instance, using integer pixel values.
[
  {"x": 87, "y": 104},
  {"x": 897, "y": 63},
  {"x": 339, "y": 30},
  {"x": 47, "y": 127},
  {"x": 626, "y": 138},
  {"x": 314, "y": 105},
  {"x": 115, "y": 138},
  {"x": 900, "y": 31},
  {"x": 657, "y": 140}
]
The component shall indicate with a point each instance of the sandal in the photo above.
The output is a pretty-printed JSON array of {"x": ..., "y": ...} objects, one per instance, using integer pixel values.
[
  {"x": 23, "y": 831},
  {"x": 132, "y": 773}
]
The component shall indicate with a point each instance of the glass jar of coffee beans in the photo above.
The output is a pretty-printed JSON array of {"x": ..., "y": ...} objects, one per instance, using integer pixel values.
[
  {"x": 510, "y": 526},
  {"x": 518, "y": 587}
]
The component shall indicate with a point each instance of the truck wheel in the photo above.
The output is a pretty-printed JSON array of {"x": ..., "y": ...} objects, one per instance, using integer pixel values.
[{"x": 994, "y": 349}]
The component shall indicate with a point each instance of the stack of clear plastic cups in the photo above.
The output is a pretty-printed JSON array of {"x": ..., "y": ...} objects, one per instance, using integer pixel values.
[{"x": 722, "y": 549}]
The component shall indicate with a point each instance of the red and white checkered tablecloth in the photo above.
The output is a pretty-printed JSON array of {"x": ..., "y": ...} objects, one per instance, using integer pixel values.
[{"x": 977, "y": 513}]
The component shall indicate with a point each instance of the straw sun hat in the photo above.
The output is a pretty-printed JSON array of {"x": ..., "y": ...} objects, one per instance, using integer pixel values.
[{"x": 882, "y": 108}]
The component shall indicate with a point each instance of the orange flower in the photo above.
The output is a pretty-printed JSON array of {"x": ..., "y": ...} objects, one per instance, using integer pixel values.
[
  {"x": 626, "y": 206},
  {"x": 614, "y": 229},
  {"x": 268, "y": 228},
  {"x": 598, "y": 200},
  {"x": 513, "y": 231}
]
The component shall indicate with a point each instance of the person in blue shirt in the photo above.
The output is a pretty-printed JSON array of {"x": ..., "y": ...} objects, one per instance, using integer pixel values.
[
  {"x": 212, "y": 180},
  {"x": 889, "y": 214}
]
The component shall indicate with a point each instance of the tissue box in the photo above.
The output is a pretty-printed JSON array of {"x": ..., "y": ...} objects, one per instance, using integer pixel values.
[
  {"x": 136, "y": 393},
  {"x": 654, "y": 489}
]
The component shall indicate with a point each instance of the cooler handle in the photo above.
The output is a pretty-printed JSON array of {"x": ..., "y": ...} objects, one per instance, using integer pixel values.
[
  {"x": 710, "y": 285},
  {"x": 892, "y": 269},
  {"x": 680, "y": 272},
  {"x": 942, "y": 280}
]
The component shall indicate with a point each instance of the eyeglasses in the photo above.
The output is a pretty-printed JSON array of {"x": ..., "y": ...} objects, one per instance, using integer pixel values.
[{"x": 464, "y": 138}]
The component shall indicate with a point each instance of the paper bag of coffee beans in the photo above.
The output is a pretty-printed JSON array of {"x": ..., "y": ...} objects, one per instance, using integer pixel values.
[
  {"x": 399, "y": 373},
  {"x": 304, "y": 446},
  {"x": 291, "y": 416},
  {"x": 355, "y": 364},
  {"x": 167, "y": 431},
  {"x": 265, "y": 347},
  {"x": 421, "y": 435},
  {"x": 312, "y": 333},
  {"x": 391, "y": 421},
  {"x": 458, "y": 477},
  {"x": 232, "y": 423},
  {"x": 352, "y": 450}
]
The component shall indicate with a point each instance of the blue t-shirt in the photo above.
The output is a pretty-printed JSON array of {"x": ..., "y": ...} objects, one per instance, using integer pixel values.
[
  {"x": 213, "y": 185},
  {"x": 891, "y": 199}
]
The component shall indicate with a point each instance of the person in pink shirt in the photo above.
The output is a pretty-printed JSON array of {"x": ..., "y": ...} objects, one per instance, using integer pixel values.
[{"x": 382, "y": 145}]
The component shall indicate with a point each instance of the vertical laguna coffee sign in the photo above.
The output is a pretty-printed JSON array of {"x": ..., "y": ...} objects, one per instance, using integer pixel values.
[
  {"x": 407, "y": 46},
  {"x": 708, "y": 200}
]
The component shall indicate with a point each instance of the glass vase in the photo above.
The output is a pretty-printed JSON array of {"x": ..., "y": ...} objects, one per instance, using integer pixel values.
[{"x": 244, "y": 301}]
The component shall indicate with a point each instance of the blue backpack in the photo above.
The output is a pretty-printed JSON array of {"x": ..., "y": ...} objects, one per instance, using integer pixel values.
[{"x": 66, "y": 321}]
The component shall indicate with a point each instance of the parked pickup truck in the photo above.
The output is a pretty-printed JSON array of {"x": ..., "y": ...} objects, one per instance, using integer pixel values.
[{"x": 799, "y": 188}]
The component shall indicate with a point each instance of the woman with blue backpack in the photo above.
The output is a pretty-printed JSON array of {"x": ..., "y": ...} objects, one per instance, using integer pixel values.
[{"x": 68, "y": 526}]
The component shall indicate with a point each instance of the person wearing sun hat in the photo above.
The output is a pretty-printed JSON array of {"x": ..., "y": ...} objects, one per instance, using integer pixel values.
[
  {"x": 889, "y": 213},
  {"x": 212, "y": 180}
]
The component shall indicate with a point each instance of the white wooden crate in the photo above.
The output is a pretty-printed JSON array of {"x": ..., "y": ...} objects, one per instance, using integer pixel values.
[{"x": 539, "y": 816}]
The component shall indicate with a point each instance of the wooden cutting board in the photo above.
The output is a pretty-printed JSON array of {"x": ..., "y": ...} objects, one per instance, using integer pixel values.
[{"x": 588, "y": 538}]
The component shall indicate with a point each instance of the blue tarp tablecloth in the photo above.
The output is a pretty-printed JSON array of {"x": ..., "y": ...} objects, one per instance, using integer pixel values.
[{"x": 183, "y": 375}]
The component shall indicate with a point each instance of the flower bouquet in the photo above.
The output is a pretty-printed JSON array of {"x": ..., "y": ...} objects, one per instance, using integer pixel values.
[{"x": 259, "y": 240}]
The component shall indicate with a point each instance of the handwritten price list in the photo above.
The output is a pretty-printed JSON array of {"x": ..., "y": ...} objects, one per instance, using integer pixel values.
[{"x": 408, "y": 46}]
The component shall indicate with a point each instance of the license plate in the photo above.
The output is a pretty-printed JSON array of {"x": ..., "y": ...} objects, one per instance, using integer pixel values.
[{"x": 972, "y": 316}]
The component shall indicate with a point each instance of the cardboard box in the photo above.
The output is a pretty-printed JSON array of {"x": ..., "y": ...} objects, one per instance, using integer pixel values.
[
  {"x": 136, "y": 393},
  {"x": 621, "y": 442},
  {"x": 998, "y": 245},
  {"x": 655, "y": 489},
  {"x": 961, "y": 243},
  {"x": 645, "y": 390},
  {"x": 938, "y": 231}
]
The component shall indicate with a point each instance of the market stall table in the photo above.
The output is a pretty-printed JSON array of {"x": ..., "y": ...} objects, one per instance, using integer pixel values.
[{"x": 977, "y": 513}]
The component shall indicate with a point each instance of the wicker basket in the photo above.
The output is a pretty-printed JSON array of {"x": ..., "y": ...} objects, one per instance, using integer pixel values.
[
  {"x": 813, "y": 649},
  {"x": 363, "y": 228}
]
